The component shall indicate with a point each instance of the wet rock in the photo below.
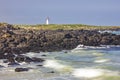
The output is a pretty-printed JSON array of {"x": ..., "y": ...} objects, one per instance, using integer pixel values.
[
  {"x": 21, "y": 69},
  {"x": 40, "y": 65},
  {"x": 5, "y": 61},
  {"x": 20, "y": 58},
  {"x": 51, "y": 72},
  {"x": 28, "y": 60},
  {"x": 13, "y": 64},
  {"x": 2, "y": 56},
  {"x": 11, "y": 60},
  {"x": 65, "y": 51},
  {"x": 43, "y": 55},
  {"x": 9, "y": 56},
  {"x": 34, "y": 59},
  {"x": 1, "y": 66}
]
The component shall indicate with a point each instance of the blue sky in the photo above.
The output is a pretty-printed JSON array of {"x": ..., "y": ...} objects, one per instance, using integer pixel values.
[{"x": 93, "y": 12}]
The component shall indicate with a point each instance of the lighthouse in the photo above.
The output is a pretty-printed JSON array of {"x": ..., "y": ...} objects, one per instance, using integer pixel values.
[{"x": 47, "y": 20}]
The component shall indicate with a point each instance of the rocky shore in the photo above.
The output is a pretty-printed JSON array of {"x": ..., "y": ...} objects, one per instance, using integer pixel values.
[{"x": 16, "y": 41}]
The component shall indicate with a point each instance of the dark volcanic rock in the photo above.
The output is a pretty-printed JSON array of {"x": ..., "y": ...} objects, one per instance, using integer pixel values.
[
  {"x": 20, "y": 41},
  {"x": 34, "y": 59},
  {"x": 68, "y": 36},
  {"x": 43, "y": 55},
  {"x": 39, "y": 65},
  {"x": 51, "y": 72},
  {"x": 21, "y": 69},
  {"x": 20, "y": 58},
  {"x": 13, "y": 63},
  {"x": 1, "y": 66}
]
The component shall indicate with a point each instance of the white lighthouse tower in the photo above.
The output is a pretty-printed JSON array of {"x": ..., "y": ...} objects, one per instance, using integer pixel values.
[{"x": 47, "y": 20}]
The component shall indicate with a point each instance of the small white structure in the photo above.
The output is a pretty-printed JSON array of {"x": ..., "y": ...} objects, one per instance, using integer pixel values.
[{"x": 47, "y": 20}]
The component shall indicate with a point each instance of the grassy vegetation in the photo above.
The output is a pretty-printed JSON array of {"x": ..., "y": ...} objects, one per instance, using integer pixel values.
[
  {"x": 66, "y": 27},
  {"x": 3, "y": 24},
  {"x": 63, "y": 26}
]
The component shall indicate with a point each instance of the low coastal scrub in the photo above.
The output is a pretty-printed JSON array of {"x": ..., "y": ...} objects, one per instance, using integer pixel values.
[
  {"x": 67, "y": 27},
  {"x": 62, "y": 27}
]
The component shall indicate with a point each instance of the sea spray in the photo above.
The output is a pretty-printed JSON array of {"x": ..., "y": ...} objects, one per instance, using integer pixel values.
[
  {"x": 78, "y": 73},
  {"x": 101, "y": 60},
  {"x": 54, "y": 64},
  {"x": 4, "y": 64},
  {"x": 87, "y": 73},
  {"x": 82, "y": 47},
  {"x": 30, "y": 54}
]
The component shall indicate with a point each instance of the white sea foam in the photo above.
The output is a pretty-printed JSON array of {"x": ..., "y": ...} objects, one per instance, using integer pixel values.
[
  {"x": 56, "y": 65},
  {"x": 101, "y": 60},
  {"x": 22, "y": 63},
  {"x": 53, "y": 64},
  {"x": 4, "y": 64},
  {"x": 91, "y": 47},
  {"x": 87, "y": 73},
  {"x": 80, "y": 47},
  {"x": 30, "y": 54}
]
